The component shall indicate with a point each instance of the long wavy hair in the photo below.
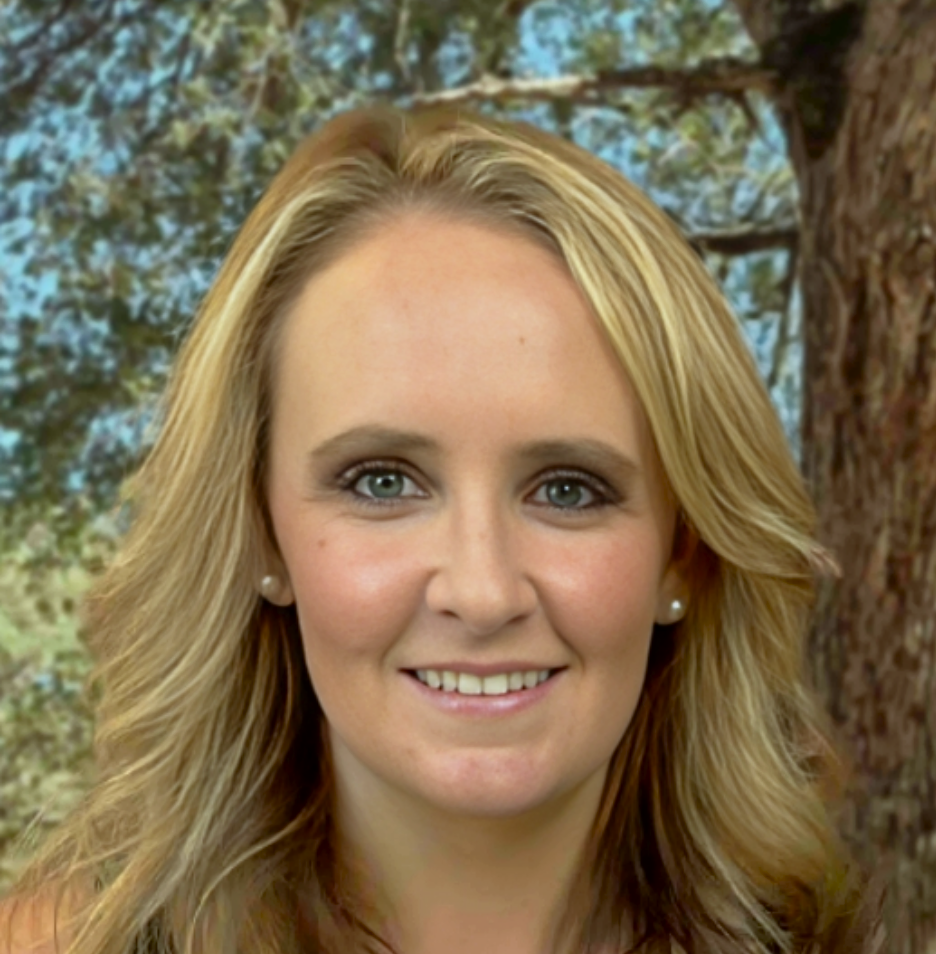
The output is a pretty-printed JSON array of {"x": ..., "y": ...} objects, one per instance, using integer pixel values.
[{"x": 210, "y": 824}]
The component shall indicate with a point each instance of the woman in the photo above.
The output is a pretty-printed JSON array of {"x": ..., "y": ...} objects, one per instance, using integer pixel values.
[{"x": 464, "y": 602}]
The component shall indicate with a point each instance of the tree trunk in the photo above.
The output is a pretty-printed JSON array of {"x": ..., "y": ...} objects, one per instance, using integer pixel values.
[{"x": 858, "y": 102}]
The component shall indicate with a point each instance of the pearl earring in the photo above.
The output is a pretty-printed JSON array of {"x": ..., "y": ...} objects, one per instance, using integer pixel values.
[
  {"x": 676, "y": 608},
  {"x": 268, "y": 585}
]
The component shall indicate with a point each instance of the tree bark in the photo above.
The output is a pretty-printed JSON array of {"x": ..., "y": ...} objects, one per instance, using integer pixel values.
[{"x": 857, "y": 98}]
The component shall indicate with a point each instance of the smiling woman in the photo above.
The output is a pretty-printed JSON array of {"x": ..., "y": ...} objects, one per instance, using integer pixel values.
[{"x": 464, "y": 603}]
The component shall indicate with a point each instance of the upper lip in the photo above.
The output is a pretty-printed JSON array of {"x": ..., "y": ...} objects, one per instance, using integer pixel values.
[{"x": 490, "y": 669}]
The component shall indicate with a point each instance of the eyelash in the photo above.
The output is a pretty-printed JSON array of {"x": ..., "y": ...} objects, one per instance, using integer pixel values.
[{"x": 605, "y": 496}]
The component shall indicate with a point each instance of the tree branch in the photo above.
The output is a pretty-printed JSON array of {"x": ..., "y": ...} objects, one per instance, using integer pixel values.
[
  {"x": 745, "y": 241},
  {"x": 783, "y": 332},
  {"x": 401, "y": 39},
  {"x": 727, "y": 76},
  {"x": 760, "y": 18},
  {"x": 764, "y": 19}
]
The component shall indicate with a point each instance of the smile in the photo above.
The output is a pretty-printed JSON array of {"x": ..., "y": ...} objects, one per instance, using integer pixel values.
[
  {"x": 468, "y": 684},
  {"x": 473, "y": 704}
]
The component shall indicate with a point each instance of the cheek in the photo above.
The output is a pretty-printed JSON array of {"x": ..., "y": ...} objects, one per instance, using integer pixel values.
[
  {"x": 602, "y": 597},
  {"x": 352, "y": 596}
]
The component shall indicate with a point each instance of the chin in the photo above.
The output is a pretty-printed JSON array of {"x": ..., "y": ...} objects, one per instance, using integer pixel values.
[
  {"x": 488, "y": 794},
  {"x": 488, "y": 805}
]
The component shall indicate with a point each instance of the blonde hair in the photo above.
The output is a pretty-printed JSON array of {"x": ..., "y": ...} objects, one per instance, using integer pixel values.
[{"x": 213, "y": 801}]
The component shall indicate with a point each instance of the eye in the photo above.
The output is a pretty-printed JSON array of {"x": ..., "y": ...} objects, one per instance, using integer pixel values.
[
  {"x": 383, "y": 481},
  {"x": 565, "y": 492},
  {"x": 383, "y": 484}
]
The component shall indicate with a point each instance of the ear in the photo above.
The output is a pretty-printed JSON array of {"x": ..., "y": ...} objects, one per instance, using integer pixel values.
[
  {"x": 675, "y": 592},
  {"x": 672, "y": 602},
  {"x": 275, "y": 588},
  {"x": 271, "y": 579}
]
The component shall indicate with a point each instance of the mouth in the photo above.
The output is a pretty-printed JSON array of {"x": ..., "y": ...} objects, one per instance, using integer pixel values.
[{"x": 468, "y": 684}]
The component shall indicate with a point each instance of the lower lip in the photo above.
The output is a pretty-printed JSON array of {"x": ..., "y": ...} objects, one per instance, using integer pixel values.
[{"x": 481, "y": 706}]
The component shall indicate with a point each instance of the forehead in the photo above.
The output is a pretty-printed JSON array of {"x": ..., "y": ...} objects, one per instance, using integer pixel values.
[{"x": 454, "y": 318}]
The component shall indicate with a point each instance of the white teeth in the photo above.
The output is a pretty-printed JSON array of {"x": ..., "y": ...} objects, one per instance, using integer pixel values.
[
  {"x": 495, "y": 685},
  {"x": 471, "y": 685},
  {"x": 468, "y": 685}
]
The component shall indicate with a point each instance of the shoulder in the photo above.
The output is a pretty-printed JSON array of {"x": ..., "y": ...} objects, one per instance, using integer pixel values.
[{"x": 28, "y": 923}]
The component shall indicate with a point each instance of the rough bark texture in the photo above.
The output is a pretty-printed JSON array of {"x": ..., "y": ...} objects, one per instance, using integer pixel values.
[{"x": 859, "y": 106}]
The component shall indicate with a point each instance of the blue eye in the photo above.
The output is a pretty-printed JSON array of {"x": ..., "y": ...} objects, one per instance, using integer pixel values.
[
  {"x": 570, "y": 492},
  {"x": 382, "y": 483},
  {"x": 385, "y": 482}
]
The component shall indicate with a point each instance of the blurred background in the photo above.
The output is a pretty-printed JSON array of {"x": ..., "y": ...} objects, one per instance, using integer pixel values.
[{"x": 136, "y": 135}]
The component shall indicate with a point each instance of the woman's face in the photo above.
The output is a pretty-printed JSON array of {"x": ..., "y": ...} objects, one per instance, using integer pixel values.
[{"x": 461, "y": 481}]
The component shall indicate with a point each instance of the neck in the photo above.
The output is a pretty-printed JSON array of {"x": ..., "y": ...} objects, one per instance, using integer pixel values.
[{"x": 465, "y": 885}]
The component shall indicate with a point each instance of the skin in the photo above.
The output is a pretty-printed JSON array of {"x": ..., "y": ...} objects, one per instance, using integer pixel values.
[{"x": 466, "y": 832}]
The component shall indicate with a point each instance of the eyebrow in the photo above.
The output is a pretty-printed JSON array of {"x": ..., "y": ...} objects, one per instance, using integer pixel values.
[{"x": 375, "y": 439}]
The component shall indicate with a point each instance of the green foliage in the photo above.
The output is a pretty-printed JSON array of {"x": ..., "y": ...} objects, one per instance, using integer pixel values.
[
  {"x": 45, "y": 749},
  {"x": 42, "y": 585},
  {"x": 45, "y": 718}
]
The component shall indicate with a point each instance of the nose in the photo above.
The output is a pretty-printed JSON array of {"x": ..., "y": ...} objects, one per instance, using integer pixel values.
[{"x": 479, "y": 577}]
